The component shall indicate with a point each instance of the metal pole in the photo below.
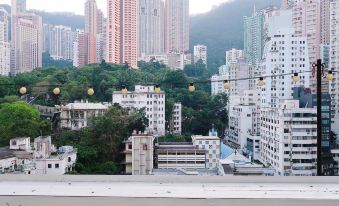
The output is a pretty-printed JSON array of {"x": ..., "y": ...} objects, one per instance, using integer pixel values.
[{"x": 319, "y": 117}]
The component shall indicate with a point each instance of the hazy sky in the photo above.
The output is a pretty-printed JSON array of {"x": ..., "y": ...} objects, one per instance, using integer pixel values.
[{"x": 196, "y": 6}]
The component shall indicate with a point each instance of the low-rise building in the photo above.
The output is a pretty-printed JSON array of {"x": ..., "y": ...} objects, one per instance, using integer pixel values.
[
  {"x": 212, "y": 145},
  {"x": 20, "y": 143},
  {"x": 175, "y": 123},
  {"x": 39, "y": 158},
  {"x": 139, "y": 154},
  {"x": 244, "y": 120},
  {"x": 7, "y": 161},
  {"x": 236, "y": 164},
  {"x": 180, "y": 156},
  {"x": 200, "y": 53},
  {"x": 76, "y": 115},
  {"x": 59, "y": 163},
  {"x": 145, "y": 97}
]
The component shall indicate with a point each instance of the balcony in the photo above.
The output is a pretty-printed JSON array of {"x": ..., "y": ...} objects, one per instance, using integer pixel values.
[{"x": 167, "y": 191}]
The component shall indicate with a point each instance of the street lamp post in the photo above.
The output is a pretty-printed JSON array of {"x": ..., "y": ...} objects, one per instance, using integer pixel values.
[{"x": 319, "y": 72}]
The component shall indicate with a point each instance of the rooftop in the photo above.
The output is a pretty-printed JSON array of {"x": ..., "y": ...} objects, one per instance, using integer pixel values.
[
  {"x": 85, "y": 106},
  {"x": 6, "y": 153}
]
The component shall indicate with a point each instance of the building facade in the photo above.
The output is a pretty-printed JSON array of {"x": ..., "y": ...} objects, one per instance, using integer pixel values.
[
  {"x": 80, "y": 48},
  {"x": 4, "y": 25},
  {"x": 122, "y": 32},
  {"x": 27, "y": 43},
  {"x": 212, "y": 146},
  {"x": 289, "y": 139},
  {"x": 180, "y": 156},
  {"x": 58, "y": 41},
  {"x": 307, "y": 23},
  {"x": 234, "y": 70},
  {"x": 151, "y": 35},
  {"x": 325, "y": 21},
  {"x": 5, "y": 47},
  {"x": 75, "y": 116},
  {"x": 233, "y": 55},
  {"x": 139, "y": 154},
  {"x": 244, "y": 120},
  {"x": 27, "y": 37},
  {"x": 253, "y": 38},
  {"x": 177, "y": 26},
  {"x": 176, "y": 119},
  {"x": 200, "y": 53},
  {"x": 145, "y": 97},
  {"x": 284, "y": 54},
  {"x": 334, "y": 63}
]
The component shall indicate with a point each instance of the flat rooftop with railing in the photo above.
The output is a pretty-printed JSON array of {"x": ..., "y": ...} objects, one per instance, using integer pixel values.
[{"x": 167, "y": 190}]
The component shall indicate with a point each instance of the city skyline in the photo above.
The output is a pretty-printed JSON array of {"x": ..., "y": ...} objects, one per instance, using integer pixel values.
[{"x": 76, "y": 6}]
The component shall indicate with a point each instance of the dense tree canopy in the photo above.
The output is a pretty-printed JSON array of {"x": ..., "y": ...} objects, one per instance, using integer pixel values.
[
  {"x": 199, "y": 109},
  {"x": 19, "y": 119},
  {"x": 100, "y": 145}
]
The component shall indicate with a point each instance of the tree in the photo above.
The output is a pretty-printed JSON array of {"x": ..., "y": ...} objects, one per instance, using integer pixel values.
[
  {"x": 20, "y": 120},
  {"x": 100, "y": 145},
  {"x": 48, "y": 61},
  {"x": 196, "y": 70}
]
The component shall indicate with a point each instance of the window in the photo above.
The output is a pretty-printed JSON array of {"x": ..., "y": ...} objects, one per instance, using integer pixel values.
[
  {"x": 129, "y": 146},
  {"x": 56, "y": 165},
  {"x": 49, "y": 165},
  {"x": 69, "y": 159}
]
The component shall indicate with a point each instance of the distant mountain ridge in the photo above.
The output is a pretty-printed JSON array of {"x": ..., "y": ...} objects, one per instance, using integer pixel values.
[
  {"x": 222, "y": 28},
  {"x": 57, "y": 18}
]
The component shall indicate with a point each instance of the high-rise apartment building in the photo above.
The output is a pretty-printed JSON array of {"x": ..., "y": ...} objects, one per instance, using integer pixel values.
[
  {"x": 200, "y": 53},
  {"x": 306, "y": 22},
  {"x": 129, "y": 31},
  {"x": 91, "y": 17},
  {"x": 151, "y": 27},
  {"x": 145, "y": 97},
  {"x": 4, "y": 27},
  {"x": 5, "y": 61},
  {"x": 80, "y": 49},
  {"x": 26, "y": 39},
  {"x": 284, "y": 54},
  {"x": 122, "y": 37},
  {"x": 254, "y": 38},
  {"x": 244, "y": 119},
  {"x": 26, "y": 43},
  {"x": 233, "y": 55},
  {"x": 177, "y": 25},
  {"x": 334, "y": 62},
  {"x": 58, "y": 41},
  {"x": 113, "y": 50},
  {"x": 5, "y": 47},
  {"x": 100, "y": 47},
  {"x": 101, "y": 22},
  {"x": 325, "y": 21},
  {"x": 289, "y": 139},
  {"x": 91, "y": 29},
  {"x": 18, "y": 6},
  {"x": 235, "y": 70}
]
